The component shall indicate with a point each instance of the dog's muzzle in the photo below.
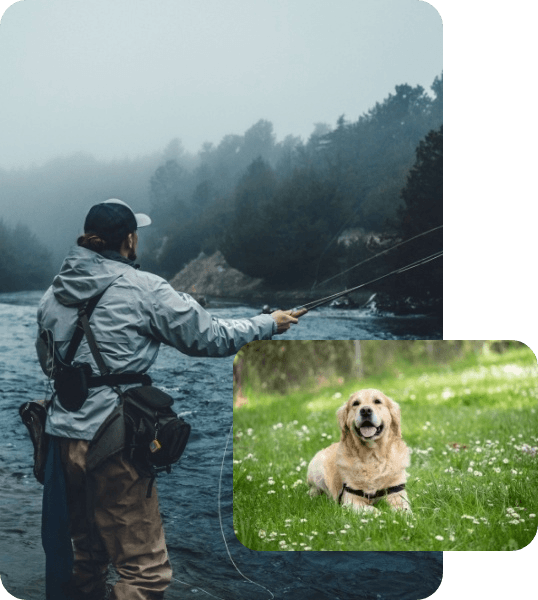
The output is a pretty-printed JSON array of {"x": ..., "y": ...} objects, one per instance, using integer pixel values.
[
  {"x": 367, "y": 424},
  {"x": 367, "y": 429}
]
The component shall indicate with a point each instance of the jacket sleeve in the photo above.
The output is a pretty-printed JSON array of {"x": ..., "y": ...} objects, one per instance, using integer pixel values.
[{"x": 177, "y": 320}]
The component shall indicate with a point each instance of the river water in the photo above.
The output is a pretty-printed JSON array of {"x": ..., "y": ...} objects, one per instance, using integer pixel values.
[{"x": 189, "y": 496}]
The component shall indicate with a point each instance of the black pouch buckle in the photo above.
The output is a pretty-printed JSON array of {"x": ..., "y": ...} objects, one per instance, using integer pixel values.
[{"x": 71, "y": 385}]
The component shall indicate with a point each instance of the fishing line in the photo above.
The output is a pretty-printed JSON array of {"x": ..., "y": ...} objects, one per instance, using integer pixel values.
[
  {"x": 421, "y": 262},
  {"x": 222, "y": 530},
  {"x": 310, "y": 306},
  {"x": 193, "y": 588},
  {"x": 314, "y": 304},
  {"x": 336, "y": 236},
  {"x": 220, "y": 518},
  {"x": 376, "y": 255}
]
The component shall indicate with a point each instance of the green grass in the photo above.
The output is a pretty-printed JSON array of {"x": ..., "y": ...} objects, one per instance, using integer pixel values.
[{"x": 473, "y": 480}]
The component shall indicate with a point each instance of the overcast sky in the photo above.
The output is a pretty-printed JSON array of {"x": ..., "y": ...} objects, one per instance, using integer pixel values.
[{"x": 121, "y": 79}]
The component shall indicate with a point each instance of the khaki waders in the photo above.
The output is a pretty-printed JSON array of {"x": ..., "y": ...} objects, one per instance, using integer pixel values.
[{"x": 126, "y": 530}]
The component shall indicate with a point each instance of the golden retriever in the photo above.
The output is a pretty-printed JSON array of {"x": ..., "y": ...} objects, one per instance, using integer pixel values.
[{"x": 369, "y": 461}]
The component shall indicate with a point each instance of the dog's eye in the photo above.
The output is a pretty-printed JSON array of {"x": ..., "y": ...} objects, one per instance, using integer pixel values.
[
  {"x": 377, "y": 401},
  {"x": 356, "y": 403}
]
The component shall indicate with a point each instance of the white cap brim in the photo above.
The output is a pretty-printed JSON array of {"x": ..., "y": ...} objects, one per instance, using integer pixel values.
[{"x": 142, "y": 220}]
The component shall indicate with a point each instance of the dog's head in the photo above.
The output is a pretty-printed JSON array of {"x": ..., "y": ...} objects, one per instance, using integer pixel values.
[{"x": 370, "y": 415}]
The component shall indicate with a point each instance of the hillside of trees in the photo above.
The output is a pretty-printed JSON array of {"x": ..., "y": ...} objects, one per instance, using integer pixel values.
[
  {"x": 299, "y": 214},
  {"x": 25, "y": 263},
  {"x": 280, "y": 211}
]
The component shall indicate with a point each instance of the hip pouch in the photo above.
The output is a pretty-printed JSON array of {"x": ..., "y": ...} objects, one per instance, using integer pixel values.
[
  {"x": 34, "y": 416},
  {"x": 155, "y": 437},
  {"x": 146, "y": 429}
]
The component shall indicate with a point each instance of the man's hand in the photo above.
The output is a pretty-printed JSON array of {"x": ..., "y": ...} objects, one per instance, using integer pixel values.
[{"x": 286, "y": 318}]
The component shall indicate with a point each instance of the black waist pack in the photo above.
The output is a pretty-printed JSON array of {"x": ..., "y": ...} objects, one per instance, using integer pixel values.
[
  {"x": 71, "y": 383},
  {"x": 147, "y": 430},
  {"x": 155, "y": 437}
]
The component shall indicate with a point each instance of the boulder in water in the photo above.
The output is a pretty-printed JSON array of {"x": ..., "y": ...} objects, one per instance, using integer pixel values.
[{"x": 213, "y": 276}]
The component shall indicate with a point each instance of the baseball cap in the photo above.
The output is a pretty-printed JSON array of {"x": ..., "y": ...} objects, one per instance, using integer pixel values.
[{"x": 113, "y": 219}]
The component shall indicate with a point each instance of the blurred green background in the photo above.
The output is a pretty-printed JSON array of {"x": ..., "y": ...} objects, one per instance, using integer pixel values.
[{"x": 284, "y": 366}]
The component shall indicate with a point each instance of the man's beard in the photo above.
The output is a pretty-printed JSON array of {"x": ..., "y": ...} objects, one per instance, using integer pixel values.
[{"x": 132, "y": 255}]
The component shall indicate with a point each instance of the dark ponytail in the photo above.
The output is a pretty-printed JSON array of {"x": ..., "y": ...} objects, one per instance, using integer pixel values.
[{"x": 92, "y": 241}]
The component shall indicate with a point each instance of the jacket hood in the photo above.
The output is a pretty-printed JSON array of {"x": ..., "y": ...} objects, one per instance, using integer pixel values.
[{"x": 84, "y": 274}]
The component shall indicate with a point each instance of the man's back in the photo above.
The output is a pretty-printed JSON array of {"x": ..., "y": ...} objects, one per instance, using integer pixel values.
[{"x": 137, "y": 312}]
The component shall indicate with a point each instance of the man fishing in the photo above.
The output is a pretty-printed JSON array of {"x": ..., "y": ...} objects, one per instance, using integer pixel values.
[{"x": 110, "y": 518}]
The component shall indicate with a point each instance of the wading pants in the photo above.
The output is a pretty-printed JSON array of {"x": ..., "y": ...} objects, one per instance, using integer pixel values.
[{"x": 112, "y": 521}]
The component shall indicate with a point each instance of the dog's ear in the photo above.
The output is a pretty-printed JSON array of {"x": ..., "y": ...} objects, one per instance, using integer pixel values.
[
  {"x": 341, "y": 415},
  {"x": 395, "y": 426}
]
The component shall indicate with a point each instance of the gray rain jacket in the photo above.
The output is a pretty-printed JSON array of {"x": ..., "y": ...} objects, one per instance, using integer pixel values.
[{"x": 137, "y": 313}]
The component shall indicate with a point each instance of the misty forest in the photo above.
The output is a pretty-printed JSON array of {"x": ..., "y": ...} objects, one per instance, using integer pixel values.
[{"x": 297, "y": 214}]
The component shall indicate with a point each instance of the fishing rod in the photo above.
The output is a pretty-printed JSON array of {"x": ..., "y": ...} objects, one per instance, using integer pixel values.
[
  {"x": 306, "y": 307},
  {"x": 315, "y": 303},
  {"x": 378, "y": 254}
]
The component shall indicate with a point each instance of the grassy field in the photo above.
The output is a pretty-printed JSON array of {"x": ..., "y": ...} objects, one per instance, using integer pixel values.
[{"x": 473, "y": 430}]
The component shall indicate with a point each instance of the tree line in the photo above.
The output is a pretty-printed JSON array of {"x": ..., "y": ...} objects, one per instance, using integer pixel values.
[
  {"x": 25, "y": 262},
  {"x": 296, "y": 213},
  {"x": 281, "y": 211},
  {"x": 287, "y": 365}
]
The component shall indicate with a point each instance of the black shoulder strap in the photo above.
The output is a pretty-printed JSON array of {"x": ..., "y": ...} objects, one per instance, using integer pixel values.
[
  {"x": 106, "y": 378},
  {"x": 84, "y": 319},
  {"x": 79, "y": 330}
]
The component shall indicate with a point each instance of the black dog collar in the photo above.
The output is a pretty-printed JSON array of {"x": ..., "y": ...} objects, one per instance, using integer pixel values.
[{"x": 378, "y": 494}]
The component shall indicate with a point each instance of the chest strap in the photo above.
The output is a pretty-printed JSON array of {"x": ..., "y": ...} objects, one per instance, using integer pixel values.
[{"x": 378, "y": 494}]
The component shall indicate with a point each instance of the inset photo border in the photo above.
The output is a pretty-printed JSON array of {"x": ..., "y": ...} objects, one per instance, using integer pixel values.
[{"x": 385, "y": 445}]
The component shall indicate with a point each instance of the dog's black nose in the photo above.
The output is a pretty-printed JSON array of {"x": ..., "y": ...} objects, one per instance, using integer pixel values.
[{"x": 366, "y": 411}]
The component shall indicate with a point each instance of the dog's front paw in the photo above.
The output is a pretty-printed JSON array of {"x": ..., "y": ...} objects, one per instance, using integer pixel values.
[{"x": 314, "y": 491}]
